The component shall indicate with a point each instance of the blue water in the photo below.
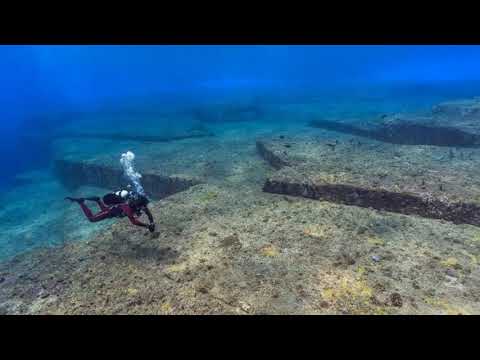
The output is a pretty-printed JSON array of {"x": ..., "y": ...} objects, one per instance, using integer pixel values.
[{"x": 45, "y": 88}]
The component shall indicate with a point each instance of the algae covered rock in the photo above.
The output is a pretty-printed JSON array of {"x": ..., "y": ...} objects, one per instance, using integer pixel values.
[
  {"x": 423, "y": 181},
  {"x": 455, "y": 123}
]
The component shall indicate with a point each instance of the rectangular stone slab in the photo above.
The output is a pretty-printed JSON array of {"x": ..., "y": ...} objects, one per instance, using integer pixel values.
[
  {"x": 455, "y": 123},
  {"x": 133, "y": 126},
  {"x": 428, "y": 181},
  {"x": 218, "y": 159},
  {"x": 182, "y": 158},
  {"x": 166, "y": 168},
  {"x": 141, "y": 138},
  {"x": 75, "y": 174},
  {"x": 462, "y": 109}
]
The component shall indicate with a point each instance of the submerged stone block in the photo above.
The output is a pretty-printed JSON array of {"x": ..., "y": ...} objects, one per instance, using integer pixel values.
[
  {"x": 74, "y": 174},
  {"x": 274, "y": 157},
  {"x": 455, "y": 123},
  {"x": 166, "y": 167},
  {"x": 413, "y": 180},
  {"x": 141, "y": 138},
  {"x": 458, "y": 108}
]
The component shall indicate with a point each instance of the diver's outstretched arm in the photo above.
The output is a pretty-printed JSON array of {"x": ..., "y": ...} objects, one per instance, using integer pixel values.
[
  {"x": 151, "y": 227},
  {"x": 149, "y": 215},
  {"x": 131, "y": 216},
  {"x": 136, "y": 222}
]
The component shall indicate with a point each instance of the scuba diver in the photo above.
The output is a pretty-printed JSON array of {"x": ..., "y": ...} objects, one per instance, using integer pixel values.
[{"x": 118, "y": 204}]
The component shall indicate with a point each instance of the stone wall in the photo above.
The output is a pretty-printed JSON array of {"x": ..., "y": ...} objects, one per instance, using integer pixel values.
[
  {"x": 459, "y": 213},
  {"x": 75, "y": 174}
]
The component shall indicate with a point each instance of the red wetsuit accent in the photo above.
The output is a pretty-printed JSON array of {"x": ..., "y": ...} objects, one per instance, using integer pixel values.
[{"x": 113, "y": 211}]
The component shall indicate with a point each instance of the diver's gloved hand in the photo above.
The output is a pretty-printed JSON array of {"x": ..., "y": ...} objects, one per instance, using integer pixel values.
[{"x": 151, "y": 228}]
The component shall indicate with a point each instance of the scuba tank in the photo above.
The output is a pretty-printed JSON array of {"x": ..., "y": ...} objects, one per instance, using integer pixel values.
[
  {"x": 124, "y": 194},
  {"x": 118, "y": 197}
]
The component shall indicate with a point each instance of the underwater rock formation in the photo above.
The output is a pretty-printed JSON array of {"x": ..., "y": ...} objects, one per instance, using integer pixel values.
[
  {"x": 453, "y": 123},
  {"x": 459, "y": 108},
  {"x": 419, "y": 182},
  {"x": 75, "y": 174},
  {"x": 275, "y": 158},
  {"x": 142, "y": 138},
  {"x": 404, "y": 203}
]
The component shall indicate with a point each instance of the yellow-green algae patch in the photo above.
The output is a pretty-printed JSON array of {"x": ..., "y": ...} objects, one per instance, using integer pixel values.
[
  {"x": 450, "y": 263},
  {"x": 349, "y": 292},
  {"x": 375, "y": 241},
  {"x": 270, "y": 251},
  {"x": 446, "y": 307},
  {"x": 208, "y": 196}
]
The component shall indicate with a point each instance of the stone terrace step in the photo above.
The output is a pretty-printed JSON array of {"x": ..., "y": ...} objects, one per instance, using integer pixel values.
[{"x": 428, "y": 181}]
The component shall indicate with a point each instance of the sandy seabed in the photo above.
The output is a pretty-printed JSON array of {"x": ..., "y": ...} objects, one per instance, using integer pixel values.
[{"x": 225, "y": 246}]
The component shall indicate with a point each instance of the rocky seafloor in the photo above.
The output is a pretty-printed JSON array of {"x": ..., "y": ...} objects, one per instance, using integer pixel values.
[
  {"x": 33, "y": 214},
  {"x": 225, "y": 246}
]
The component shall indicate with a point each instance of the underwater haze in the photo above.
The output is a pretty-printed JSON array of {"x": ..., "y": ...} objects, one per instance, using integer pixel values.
[{"x": 364, "y": 155}]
